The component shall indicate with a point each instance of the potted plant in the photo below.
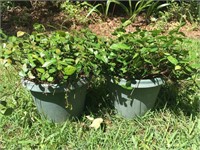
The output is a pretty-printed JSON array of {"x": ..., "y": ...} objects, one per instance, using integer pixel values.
[
  {"x": 139, "y": 63},
  {"x": 55, "y": 67}
]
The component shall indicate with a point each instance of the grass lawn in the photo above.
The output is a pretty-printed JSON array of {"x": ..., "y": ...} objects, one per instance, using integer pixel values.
[{"x": 173, "y": 124}]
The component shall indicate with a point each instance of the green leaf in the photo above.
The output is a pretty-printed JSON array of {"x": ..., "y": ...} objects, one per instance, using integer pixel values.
[
  {"x": 39, "y": 27},
  {"x": 41, "y": 60},
  {"x": 126, "y": 23},
  {"x": 42, "y": 54},
  {"x": 69, "y": 70},
  {"x": 48, "y": 63},
  {"x": 61, "y": 33},
  {"x": 22, "y": 74},
  {"x": 4, "y": 103},
  {"x": 50, "y": 79},
  {"x": 155, "y": 32},
  {"x": 65, "y": 77},
  {"x": 7, "y": 52},
  {"x": 118, "y": 3},
  {"x": 163, "y": 5},
  {"x": 154, "y": 49},
  {"x": 148, "y": 61},
  {"x": 32, "y": 64},
  {"x": 167, "y": 54},
  {"x": 30, "y": 75},
  {"x": 94, "y": 9},
  {"x": 46, "y": 75},
  {"x": 103, "y": 58},
  {"x": 12, "y": 39},
  {"x": 188, "y": 69},
  {"x": 124, "y": 70},
  {"x": 52, "y": 70},
  {"x": 26, "y": 142},
  {"x": 58, "y": 51},
  {"x": 24, "y": 68},
  {"x": 8, "y": 111},
  {"x": 119, "y": 46},
  {"x": 59, "y": 67},
  {"x": 38, "y": 58},
  {"x": 127, "y": 87},
  {"x": 135, "y": 55},
  {"x": 177, "y": 67},
  {"x": 69, "y": 60},
  {"x": 41, "y": 70},
  {"x": 172, "y": 60},
  {"x": 43, "y": 77}
]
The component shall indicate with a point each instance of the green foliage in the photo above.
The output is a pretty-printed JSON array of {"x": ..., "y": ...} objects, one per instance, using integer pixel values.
[
  {"x": 141, "y": 54},
  {"x": 104, "y": 7},
  {"x": 52, "y": 57},
  {"x": 149, "y": 6},
  {"x": 8, "y": 94},
  {"x": 155, "y": 8},
  {"x": 146, "y": 54},
  {"x": 140, "y": 6},
  {"x": 128, "y": 10},
  {"x": 185, "y": 10},
  {"x": 74, "y": 12},
  {"x": 6, "y": 5},
  {"x": 93, "y": 9},
  {"x": 101, "y": 8},
  {"x": 131, "y": 11},
  {"x": 95, "y": 49}
]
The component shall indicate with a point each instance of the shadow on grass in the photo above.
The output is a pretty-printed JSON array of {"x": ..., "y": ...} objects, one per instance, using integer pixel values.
[
  {"x": 179, "y": 98},
  {"x": 97, "y": 100}
]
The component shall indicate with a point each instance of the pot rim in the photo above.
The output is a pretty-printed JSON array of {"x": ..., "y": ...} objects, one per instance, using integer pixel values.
[
  {"x": 141, "y": 83},
  {"x": 51, "y": 88}
]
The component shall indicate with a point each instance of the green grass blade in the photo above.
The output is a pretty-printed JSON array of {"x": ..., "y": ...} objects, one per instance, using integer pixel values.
[
  {"x": 118, "y": 3},
  {"x": 94, "y": 9},
  {"x": 163, "y": 5}
]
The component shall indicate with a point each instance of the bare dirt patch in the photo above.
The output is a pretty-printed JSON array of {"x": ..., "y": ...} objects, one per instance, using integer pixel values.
[{"x": 19, "y": 18}]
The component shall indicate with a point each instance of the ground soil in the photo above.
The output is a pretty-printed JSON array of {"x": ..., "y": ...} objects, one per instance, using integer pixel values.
[{"x": 22, "y": 19}]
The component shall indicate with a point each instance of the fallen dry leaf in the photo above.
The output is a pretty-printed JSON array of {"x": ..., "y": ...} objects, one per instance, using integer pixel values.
[
  {"x": 96, "y": 123},
  {"x": 20, "y": 33},
  {"x": 90, "y": 118}
]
